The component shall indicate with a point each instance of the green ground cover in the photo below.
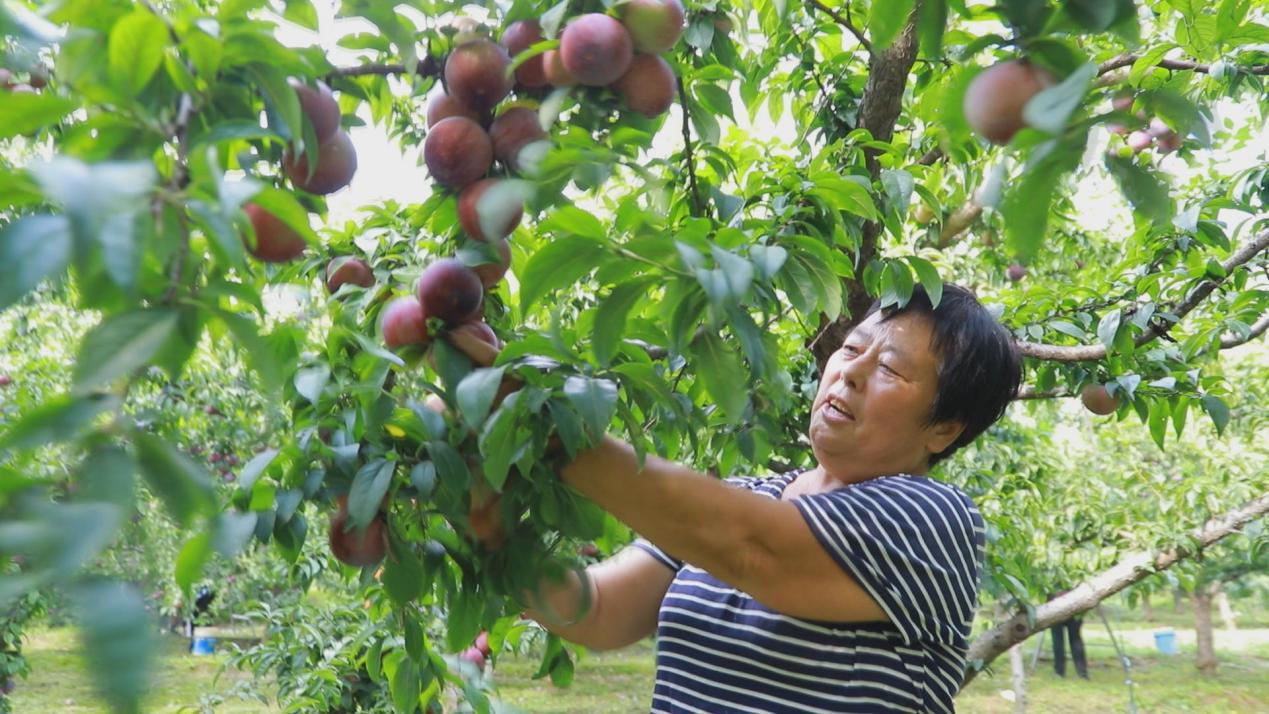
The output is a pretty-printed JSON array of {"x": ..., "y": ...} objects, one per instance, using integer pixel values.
[{"x": 622, "y": 681}]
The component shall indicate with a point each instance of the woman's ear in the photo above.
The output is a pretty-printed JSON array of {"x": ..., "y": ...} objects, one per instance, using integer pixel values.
[{"x": 941, "y": 435}]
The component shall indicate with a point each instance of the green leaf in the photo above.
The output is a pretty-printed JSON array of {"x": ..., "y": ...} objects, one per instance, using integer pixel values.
[
  {"x": 475, "y": 394},
  {"x": 1108, "y": 328},
  {"x": 1143, "y": 188},
  {"x": 405, "y": 686},
  {"x": 573, "y": 220},
  {"x": 232, "y": 532},
  {"x": 559, "y": 263},
  {"x": 931, "y": 25},
  {"x": 1025, "y": 206},
  {"x": 1050, "y": 109},
  {"x": 24, "y": 113},
  {"x": 767, "y": 259},
  {"x": 1160, "y": 411},
  {"x": 1095, "y": 15},
  {"x": 254, "y": 468},
  {"x": 595, "y": 401},
  {"x": 423, "y": 478},
  {"x": 929, "y": 278},
  {"x": 1217, "y": 410},
  {"x": 120, "y": 344},
  {"x": 135, "y": 50},
  {"x": 369, "y": 487},
  {"x": 58, "y": 419},
  {"x": 310, "y": 382},
  {"x": 191, "y": 560},
  {"x": 845, "y": 195},
  {"x": 260, "y": 355},
  {"x": 403, "y": 575},
  {"x": 720, "y": 368},
  {"x": 32, "y": 248},
  {"x": 183, "y": 485},
  {"x": 117, "y": 638},
  {"x": 302, "y": 13},
  {"x": 610, "y": 319},
  {"x": 885, "y": 20},
  {"x": 108, "y": 474},
  {"x": 451, "y": 469}
]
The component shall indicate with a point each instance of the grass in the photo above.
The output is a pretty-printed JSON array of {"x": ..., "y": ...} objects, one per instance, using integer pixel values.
[
  {"x": 60, "y": 682},
  {"x": 612, "y": 682}
]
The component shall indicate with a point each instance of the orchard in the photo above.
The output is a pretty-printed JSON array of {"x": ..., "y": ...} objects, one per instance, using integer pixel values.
[{"x": 657, "y": 220}]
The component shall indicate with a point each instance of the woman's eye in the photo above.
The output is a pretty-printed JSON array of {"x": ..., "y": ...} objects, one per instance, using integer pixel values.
[{"x": 850, "y": 349}]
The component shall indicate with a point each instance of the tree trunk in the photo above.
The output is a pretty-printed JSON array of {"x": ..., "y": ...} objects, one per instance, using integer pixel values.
[
  {"x": 1019, "y": 670},
  {"x": 1206, "y": 658},
  {"x": 1147, "y": 610},
  {"x": 1178, "y": 599},
  {"x": 1222, "y": 606}
]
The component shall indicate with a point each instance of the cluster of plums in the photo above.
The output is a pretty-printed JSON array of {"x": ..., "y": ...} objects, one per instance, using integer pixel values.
[
  {"x": 333, "y": 168},
  {"x": 595, "y": 50}
]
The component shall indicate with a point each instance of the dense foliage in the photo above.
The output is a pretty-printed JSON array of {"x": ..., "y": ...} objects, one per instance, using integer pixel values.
[{"x": 677, "y": 279}]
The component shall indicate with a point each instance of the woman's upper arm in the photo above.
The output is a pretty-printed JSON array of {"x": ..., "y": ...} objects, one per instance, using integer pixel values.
[{"x": 630, "y": 587}]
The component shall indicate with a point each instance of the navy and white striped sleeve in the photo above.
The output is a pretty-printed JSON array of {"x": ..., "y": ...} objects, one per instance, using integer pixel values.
[
  {"x": 669, "y": 561},
  {"x": 914, "y": 544}
]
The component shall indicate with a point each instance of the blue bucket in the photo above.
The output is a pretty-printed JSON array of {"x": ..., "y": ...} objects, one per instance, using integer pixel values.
[
  {"x": 202, "y": 646},
  {"x": 1165, "y": 642}
]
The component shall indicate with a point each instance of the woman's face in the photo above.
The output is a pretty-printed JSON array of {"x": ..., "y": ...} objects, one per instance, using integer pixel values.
[{"x": 875, "y": 397}]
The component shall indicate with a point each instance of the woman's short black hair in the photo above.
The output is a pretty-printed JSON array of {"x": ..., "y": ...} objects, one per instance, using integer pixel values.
[{"x": 979, "y": 365}]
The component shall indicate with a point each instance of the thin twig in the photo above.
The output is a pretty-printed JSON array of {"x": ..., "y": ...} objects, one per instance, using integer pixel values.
[
  {"x": 844, "y": 21},
  {"x": 698, "y": 206},
  {"x": 427, "y": 67}
]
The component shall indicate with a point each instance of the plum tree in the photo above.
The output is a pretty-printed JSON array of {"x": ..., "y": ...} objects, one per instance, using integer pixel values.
[
  {"x": 1139, "y": 141},
  {"x": 1015, "y": 272},
  {"x": 513, "y": 130},
  {"x": 596, "y": 49},
  {"x": 358, "y": 548},
  {"x": 319, "y": 105},
  {"x": 347, "y": 269},
  {"x": 403, "y": 323},
  {"x": 654, "y": 25},
  {"x": 489, "y": 209},
  {"x": 457, "y": 151},
  {"x": 996, "y": 97},
  {"x": 555, "y": 71},
  {"x": 275, "y": 241},
  {"x": 520, "y": 36},
  {"x": 450, "y": 291},
  {"x": 648, "y": 87},
  {"x": 336, "y": 164},
  {"x": 476, "y": 74},
  {"x": 1097, "y": 399}
]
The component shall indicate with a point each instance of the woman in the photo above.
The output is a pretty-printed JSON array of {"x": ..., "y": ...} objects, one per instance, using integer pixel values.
[{"x": 846, "y": 587}]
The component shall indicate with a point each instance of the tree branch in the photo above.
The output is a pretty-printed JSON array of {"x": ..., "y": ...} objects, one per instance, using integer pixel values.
[
  {"x": 1127, "y": 60},
  {"x": 1132, "y": 569},
  {"x": 1080, "y": 353},
  {"x": 1257, "y": 329},
  {"x": 844, "y": 21},
  {"x": 427, "y": 67},
  {"x": 878, "y": 111},
  {"x": 698, "y": 206}
]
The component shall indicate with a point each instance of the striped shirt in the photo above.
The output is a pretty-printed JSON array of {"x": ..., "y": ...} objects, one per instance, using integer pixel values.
[{"x": 913, "y": 543}]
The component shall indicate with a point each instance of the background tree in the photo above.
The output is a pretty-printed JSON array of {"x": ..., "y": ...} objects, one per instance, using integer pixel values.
[{"x": 164, "y": 178}]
